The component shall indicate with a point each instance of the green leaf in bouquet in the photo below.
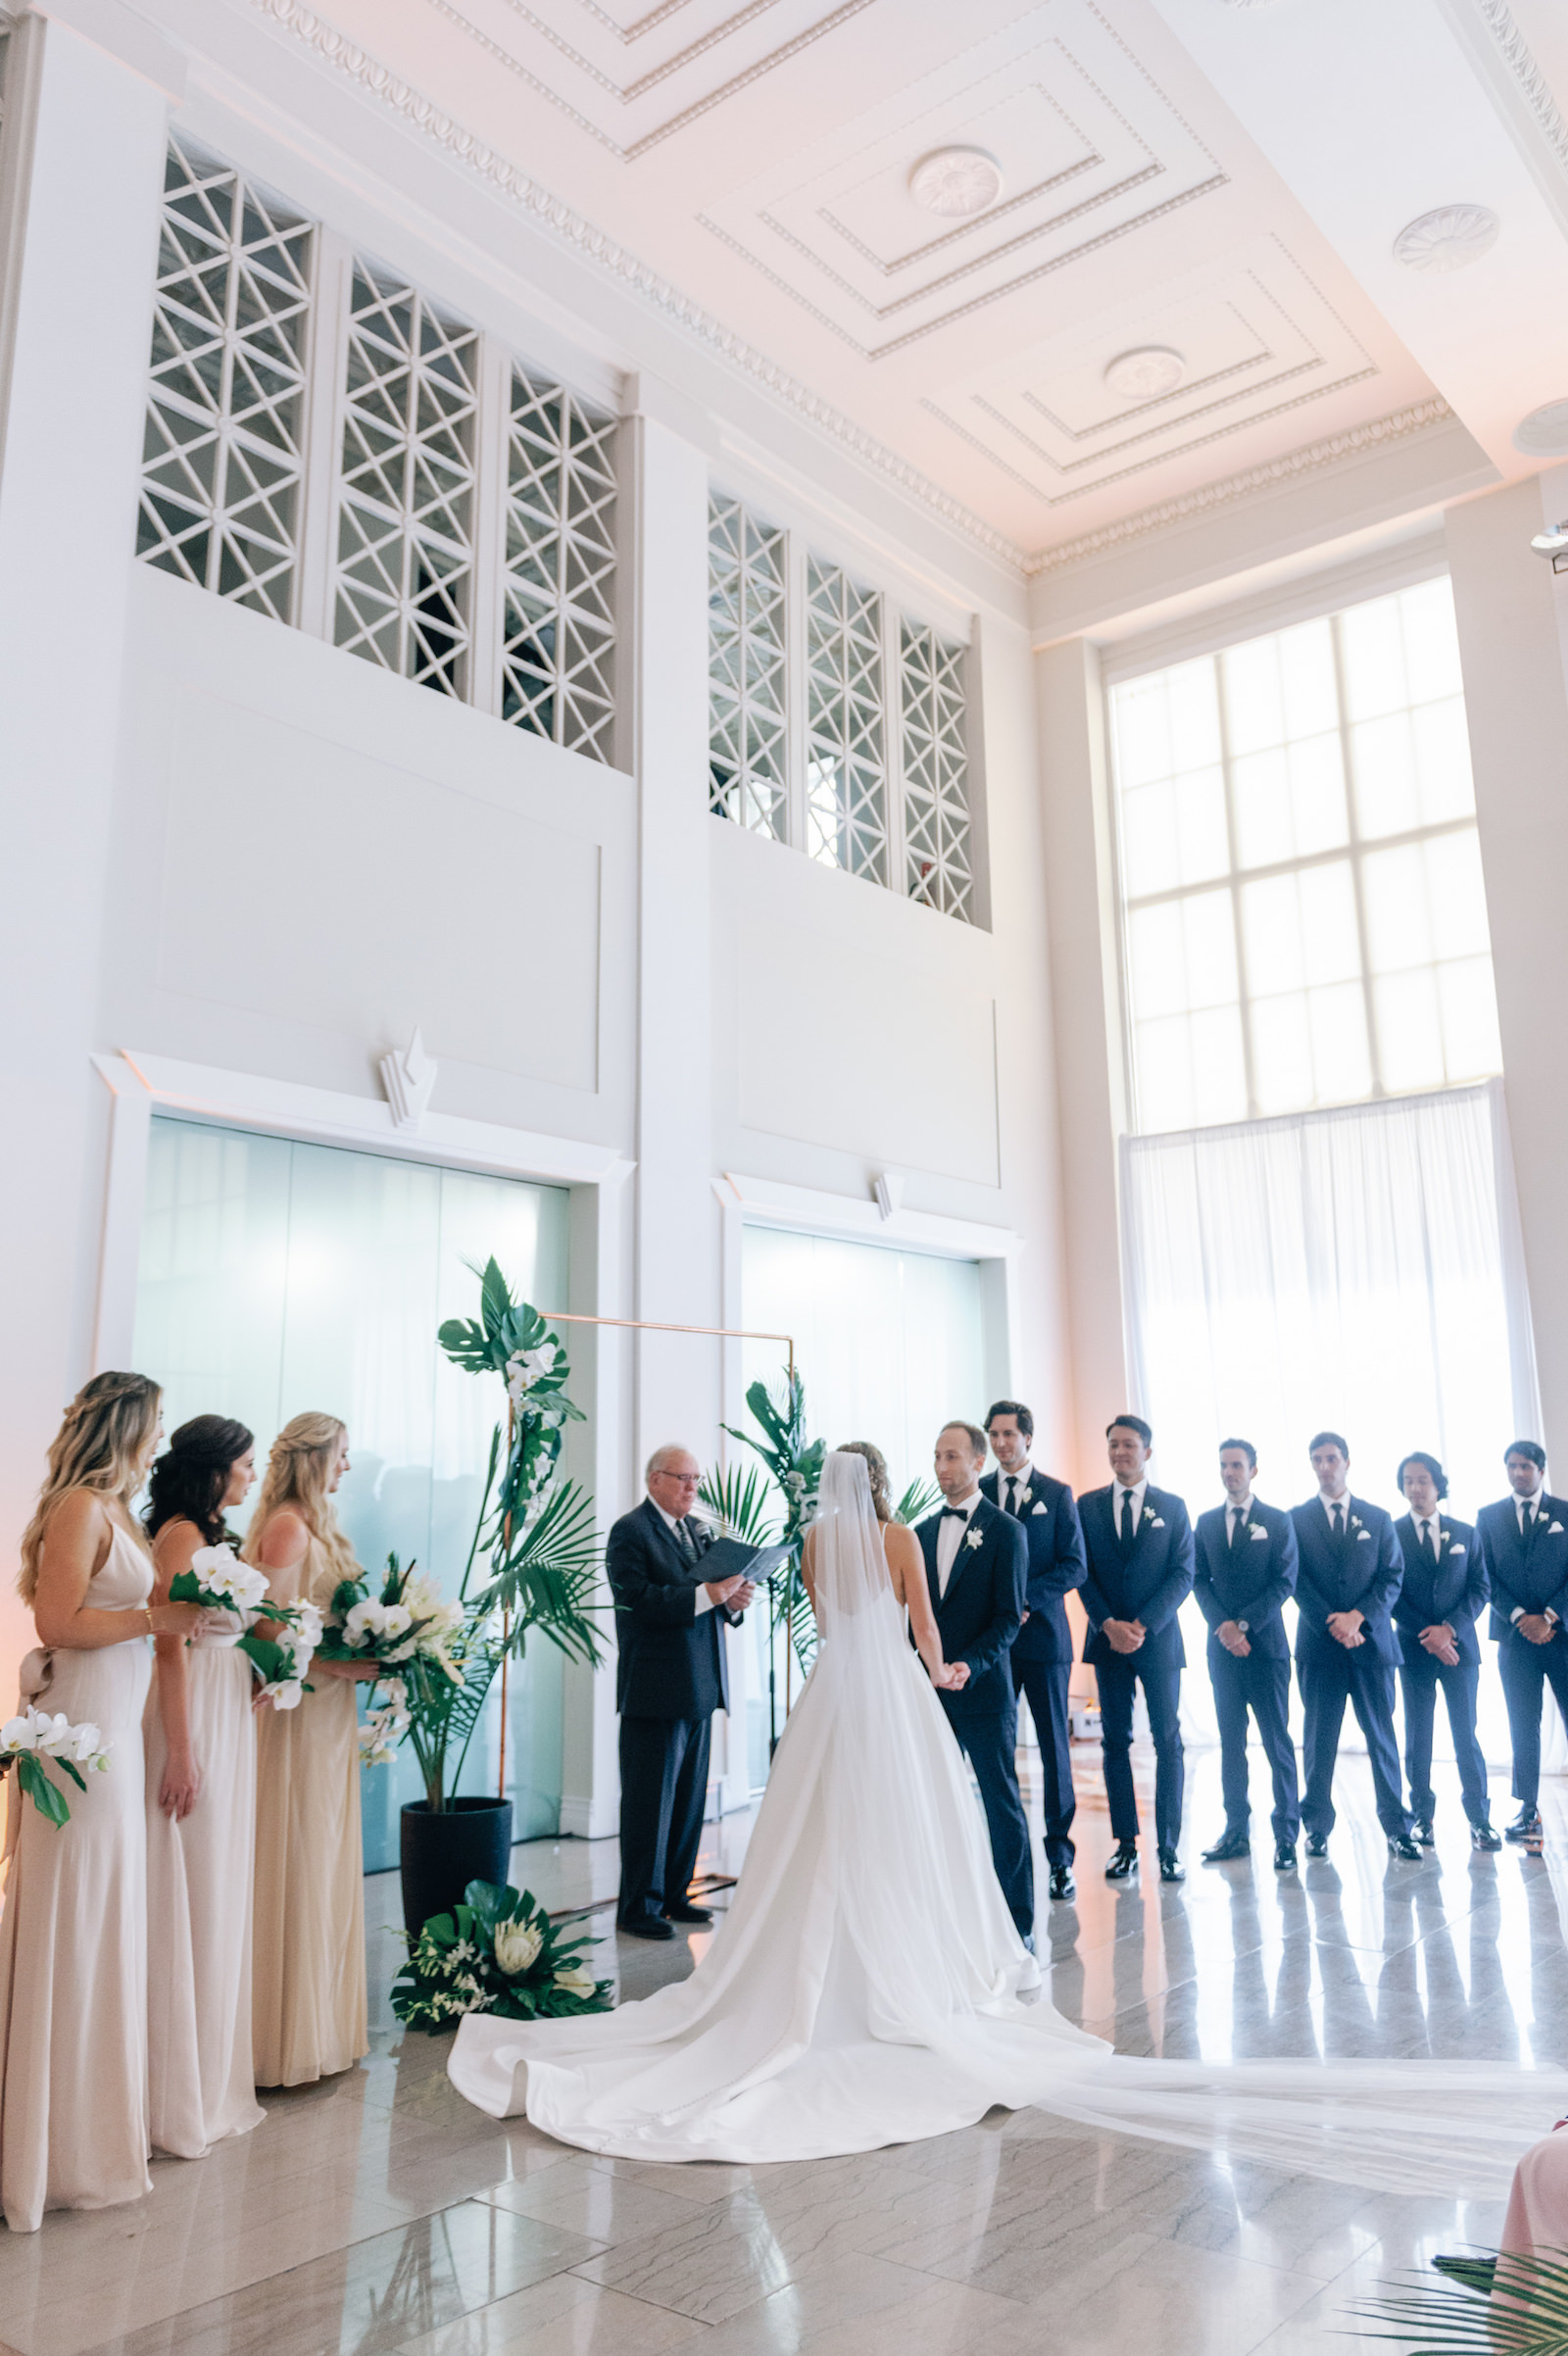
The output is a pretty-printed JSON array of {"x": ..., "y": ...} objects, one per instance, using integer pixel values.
[
  {"x": 46, "y": 1797},
  {"x": 184, "y": 1588},
  {"x": 70, "y": 1767}
]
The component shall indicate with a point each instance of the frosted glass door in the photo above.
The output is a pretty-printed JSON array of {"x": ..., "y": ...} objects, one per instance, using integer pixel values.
[{"x": 275, "y": 1277}]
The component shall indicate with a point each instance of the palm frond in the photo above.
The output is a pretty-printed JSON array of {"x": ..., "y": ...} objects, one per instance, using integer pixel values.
[
  {"x": 922, "y": 1498},
  {"x": 546, "y": 1577},
  {"x": 1508, "y": 2305},
  {"x": 739, "y": 1502}
]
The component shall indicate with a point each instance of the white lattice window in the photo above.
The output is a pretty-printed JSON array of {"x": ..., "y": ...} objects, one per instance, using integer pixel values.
[
  {"x": 223, "y": 453},
  {"x": 937, "y": 867},
  {"x": 559, "y": 623},
  {"x": 404, "y": 574},
  {"x": 846, "y": 750},
  {"x": 748, "y": 700}
]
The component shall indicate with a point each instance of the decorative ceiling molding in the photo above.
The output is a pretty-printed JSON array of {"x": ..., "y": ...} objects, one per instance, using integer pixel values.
[
  {"x": 1520, "y": 60},
  {"x": 1449, "y": 238},
  {"x": 1421, "y": 418}
]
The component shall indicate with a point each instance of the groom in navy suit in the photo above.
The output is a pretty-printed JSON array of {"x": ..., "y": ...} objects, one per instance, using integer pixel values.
[
  {"x": 1140, "y": 1547},
  {"x": 975, "y": 1565}
]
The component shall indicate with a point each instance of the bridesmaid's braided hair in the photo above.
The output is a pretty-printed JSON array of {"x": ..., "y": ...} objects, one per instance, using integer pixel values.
[
  {"x": 190, "y": 1477},
  {"x": 876, "y": 1464},
  {"x": 98, "y": 1447},
  {"x": 299, "y": 1466}
]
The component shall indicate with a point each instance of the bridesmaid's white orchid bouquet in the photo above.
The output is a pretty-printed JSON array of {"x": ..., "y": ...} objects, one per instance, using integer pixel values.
[
  {"x": 28, "y": 1739},
  {"x": 408, "y": 1619},
  {"x": 499, "y": 1953},
  {"x": 219, "y": 1581}
]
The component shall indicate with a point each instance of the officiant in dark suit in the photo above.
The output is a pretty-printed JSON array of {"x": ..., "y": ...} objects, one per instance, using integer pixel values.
[
  {"x": 1139, "y": 1548},
  {"x": 1245, "y": 1570},
  {"x": 670, "y": 1677},
  {"x": 1525, "y": 1539},
  {"x": 976, "y": 1565},
  {"x": 1444, "y": 1591},
  {"x": 1042, "y": 1650},
  {"x": 1346, "y": 1648}
]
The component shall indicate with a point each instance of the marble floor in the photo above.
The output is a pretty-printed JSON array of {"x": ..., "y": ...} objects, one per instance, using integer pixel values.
[{"x": 378, "y": 2212}]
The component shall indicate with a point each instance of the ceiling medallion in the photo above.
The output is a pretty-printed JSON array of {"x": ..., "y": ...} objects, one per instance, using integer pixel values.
[
  {"x": 957, "y": 182},
  {"x": 1449, "y": 238},
  {"x": 1544, "y": 432},
  {"x": 1147, "y": 373}
]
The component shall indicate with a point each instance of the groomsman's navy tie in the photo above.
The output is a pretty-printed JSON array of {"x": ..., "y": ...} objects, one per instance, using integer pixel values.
[{"x": 1128, "y": 1524}]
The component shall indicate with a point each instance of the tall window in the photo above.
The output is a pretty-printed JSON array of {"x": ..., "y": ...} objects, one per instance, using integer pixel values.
[
  {"x": 835, "y": 722},
  {"x": 558, "y": 650},
  {"x": 225, "y": 439},
  {"x": 1303, "y": 916}
]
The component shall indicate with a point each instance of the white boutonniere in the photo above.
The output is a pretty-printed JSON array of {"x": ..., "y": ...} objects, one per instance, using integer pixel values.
[
  {"x": 1259, "y": 1535},
  {"x": 976, "y": 1538},
  {"x": 1039, "y": 1507},
  {"x": 1355, "y": 1521}
]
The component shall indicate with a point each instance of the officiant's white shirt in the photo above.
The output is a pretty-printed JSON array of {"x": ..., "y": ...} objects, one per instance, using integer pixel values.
[
  {"x": 672, "y": 1522},
  {"x": 951, "y": 1534}
]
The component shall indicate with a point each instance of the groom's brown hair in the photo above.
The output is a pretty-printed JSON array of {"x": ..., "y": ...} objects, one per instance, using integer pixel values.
[{"x": 977, "y": 1439}]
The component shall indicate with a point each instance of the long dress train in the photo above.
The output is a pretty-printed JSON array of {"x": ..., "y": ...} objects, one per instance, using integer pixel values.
[
  {"x": 861, "y": 1990},
  {"x": 74, "y": 1941},
  {"x": 199, "y": 1878},
  {"x": 308, "y": 2002}
]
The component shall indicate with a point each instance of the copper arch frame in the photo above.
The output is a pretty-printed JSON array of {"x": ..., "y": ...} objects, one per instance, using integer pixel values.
[{"x": 641, "y": 1325}]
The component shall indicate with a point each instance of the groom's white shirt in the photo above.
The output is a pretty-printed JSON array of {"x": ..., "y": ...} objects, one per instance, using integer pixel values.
[{"x": 950, "y": 1535}]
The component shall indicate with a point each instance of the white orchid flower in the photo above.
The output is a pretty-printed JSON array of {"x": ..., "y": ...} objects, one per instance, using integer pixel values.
[
  {"x": 288, "y": 1694},
  {"x": 20, "y": 1733}
]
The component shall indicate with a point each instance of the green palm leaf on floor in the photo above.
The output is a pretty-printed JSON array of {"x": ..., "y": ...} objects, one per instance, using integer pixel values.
[{"x": 1501, "y": 2306}]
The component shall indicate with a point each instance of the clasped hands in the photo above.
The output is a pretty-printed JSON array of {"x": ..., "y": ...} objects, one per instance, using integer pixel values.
[
  {"x": 1125, "y": 1634},
  {"x": 1232, "y": 1640},
  {"x": 1439, "y": 1641},
  {"x": 1535, "y": 1625},
  {"x": 1345, "y": 1627},
  {"x": 734, "y": 1594}
]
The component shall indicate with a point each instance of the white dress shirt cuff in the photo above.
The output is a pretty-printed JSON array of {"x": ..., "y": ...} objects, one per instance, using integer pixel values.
[{"x": 704, "y": 1601}]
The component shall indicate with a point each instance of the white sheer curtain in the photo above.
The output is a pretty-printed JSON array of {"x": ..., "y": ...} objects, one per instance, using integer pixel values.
[{"x": 1357, "y": 1269}]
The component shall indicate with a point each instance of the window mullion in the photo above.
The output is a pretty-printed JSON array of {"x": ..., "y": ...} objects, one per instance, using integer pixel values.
[
  {"x": 488, "y": 531},
  {"x": 797, "y": 690},
  {"x": 323, "y": 433},
  {"x": 1353, "y": 846},
  {"x": 893, "y": 744},
  {"x": 1242, "y": 984}
]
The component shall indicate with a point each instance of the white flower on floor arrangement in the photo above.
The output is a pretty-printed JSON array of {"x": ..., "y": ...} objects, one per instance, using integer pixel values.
[
  {"x": 28, "y": 1739},
  {"x": 500, "y": 1952}
]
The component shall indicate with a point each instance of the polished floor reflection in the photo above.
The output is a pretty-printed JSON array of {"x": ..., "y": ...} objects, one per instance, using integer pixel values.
[{"x": 379, "y": 2213}]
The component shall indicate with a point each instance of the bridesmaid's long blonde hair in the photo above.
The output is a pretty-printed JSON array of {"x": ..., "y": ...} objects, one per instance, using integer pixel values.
[
  {"x": 299, "y": 1467},
  {"x": 98, "y": 1447}
]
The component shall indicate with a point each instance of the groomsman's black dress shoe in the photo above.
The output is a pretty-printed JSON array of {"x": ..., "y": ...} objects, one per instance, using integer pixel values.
[
  {"x": 685, "y": 1913},
  {"x": 1285, "y": 1857},
  {"x": 1421, "y": 1831},
  {"x": 1400, "y": 1844},
  {"x": 1317, "y": 1845},
  {"x": 1526, "y": 1825},
  {"x": 1227, "y": 1846},
  {"x": 1482, "y": 1835},
  {"x": 1124, "y": 1861},
  {"x": 1062, "y": 1884},
  {"x": 645, "y": 1926},
  {"x": 1171, "y": 1868}
]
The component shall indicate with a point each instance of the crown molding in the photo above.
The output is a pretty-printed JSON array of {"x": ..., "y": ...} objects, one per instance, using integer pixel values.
[
  {"x": 1521, "y": 62},
  {"x": 1423, "y": 416}
]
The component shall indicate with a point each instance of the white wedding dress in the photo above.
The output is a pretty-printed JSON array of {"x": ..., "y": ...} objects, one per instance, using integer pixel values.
[{"x": 861, "y": 1990}]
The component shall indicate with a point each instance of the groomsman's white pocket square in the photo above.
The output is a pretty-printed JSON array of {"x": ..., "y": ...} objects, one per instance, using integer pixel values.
[
  {"x": 1259, "y": 1535},
  {"x": 1454, "y": 1552},
  {"x": 1040, "y": 1507},
  {"x": 1363, "y": 1537},
  {"x": 1156, "y": 1523},
  {"x": 1555, "y": 1529}
]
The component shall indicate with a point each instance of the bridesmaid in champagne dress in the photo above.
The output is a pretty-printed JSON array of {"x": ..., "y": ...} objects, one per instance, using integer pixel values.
[
  {"x": 74, "y": 1935},
  {"x": 307, "y": 2004},
  {"x": 201, "y": 1816}
]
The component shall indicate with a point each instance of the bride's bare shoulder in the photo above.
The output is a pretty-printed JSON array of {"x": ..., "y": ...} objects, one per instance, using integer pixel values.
[{"x": 903, "y": 1550}]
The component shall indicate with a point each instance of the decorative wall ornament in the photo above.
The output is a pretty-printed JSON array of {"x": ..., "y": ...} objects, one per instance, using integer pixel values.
[
  {"x": 1423, "y": 416},
  {"x": 888, "y": 1188},
  {"x": 1146, "y": 374},
  {"x": 957, "y": 182},
  {"x": 1450, "y": 237},
  {"x": 407, "y": 1078},
  {"x": 1544, "y": 432}
]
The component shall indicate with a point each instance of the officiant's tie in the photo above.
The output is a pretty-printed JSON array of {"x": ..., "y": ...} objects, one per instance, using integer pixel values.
[{"x": 686, "y": 1540}]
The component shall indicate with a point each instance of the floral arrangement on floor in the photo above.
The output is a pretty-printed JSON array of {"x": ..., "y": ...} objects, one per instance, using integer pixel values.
[
  {"x": 219, "y": 1581},
  {"x": 534, "y": 1536},
  {"x": 28, "y": 1739},
  {"x": 498, "y": 1952}
]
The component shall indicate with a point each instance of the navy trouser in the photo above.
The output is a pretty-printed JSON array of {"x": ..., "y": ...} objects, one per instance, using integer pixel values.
[
  {"x": 1332, "y": 1675},
  {"x": 664, "y": 1789},
  {"x": 1261, "y": 1685},
  {"x": 1420, "y": 1679},
  {"x": 1117, "y": 1680},
  {"x": 1524, "y": 1668},
  {"x": 1045, "y": 1684},
  {"x": 991, "y": 1745}
]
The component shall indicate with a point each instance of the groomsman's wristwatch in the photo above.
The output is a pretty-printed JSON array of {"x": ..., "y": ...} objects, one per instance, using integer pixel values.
[{"x": 1243, "y": 1626}]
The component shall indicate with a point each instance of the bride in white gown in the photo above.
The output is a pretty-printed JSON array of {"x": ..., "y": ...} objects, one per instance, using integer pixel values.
[{"x": 862, "y": 1989}]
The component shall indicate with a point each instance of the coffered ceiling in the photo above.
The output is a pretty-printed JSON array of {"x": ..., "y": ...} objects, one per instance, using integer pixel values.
[{"x": 1070, "y": 262}]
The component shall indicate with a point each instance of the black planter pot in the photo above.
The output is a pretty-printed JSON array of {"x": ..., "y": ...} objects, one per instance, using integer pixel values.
[{"x": 442, "y": 1852}]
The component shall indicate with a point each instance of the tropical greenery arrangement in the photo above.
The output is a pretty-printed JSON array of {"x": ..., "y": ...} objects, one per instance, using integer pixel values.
[
  {"x": 499, "y": 1953},
  {"x": 1500, "y": 2305},
  {"x": 531, "y": 1567}
]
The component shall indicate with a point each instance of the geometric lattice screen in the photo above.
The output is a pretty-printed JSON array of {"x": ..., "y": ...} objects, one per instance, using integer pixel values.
[
  {"x": 404, "y": 574},
  {"x": 748, "y": 776},
  {"x": 845, "y": 761},
  {"x": 936, "y": 781},
  {"x": 557, "y": 647},
  {"x": 223, "y": 453}
]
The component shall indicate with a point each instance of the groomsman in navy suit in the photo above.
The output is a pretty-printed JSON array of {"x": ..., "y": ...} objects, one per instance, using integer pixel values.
[
  {"x": 975, "y": 1563},
  {"x": 1444, "y": 1587},
  {"x": 1139, "y": 1548},
  {"x": 1042, "y": 1650},
  {"x": 1525, "y": 1539},
  {"x": 1346, "y": 1579},
  {"x": 1245, "y": 1569}
]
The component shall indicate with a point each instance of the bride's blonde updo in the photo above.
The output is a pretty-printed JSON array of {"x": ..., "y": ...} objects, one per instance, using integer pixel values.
[
  {"x": 299, "y": 1466},
  {"x": 876, "y": 1464},
  {"x": 98, "y": 1447}
]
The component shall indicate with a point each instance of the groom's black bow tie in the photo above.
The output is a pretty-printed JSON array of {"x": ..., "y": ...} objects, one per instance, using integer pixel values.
[{"x": 959, "y": 1514}]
